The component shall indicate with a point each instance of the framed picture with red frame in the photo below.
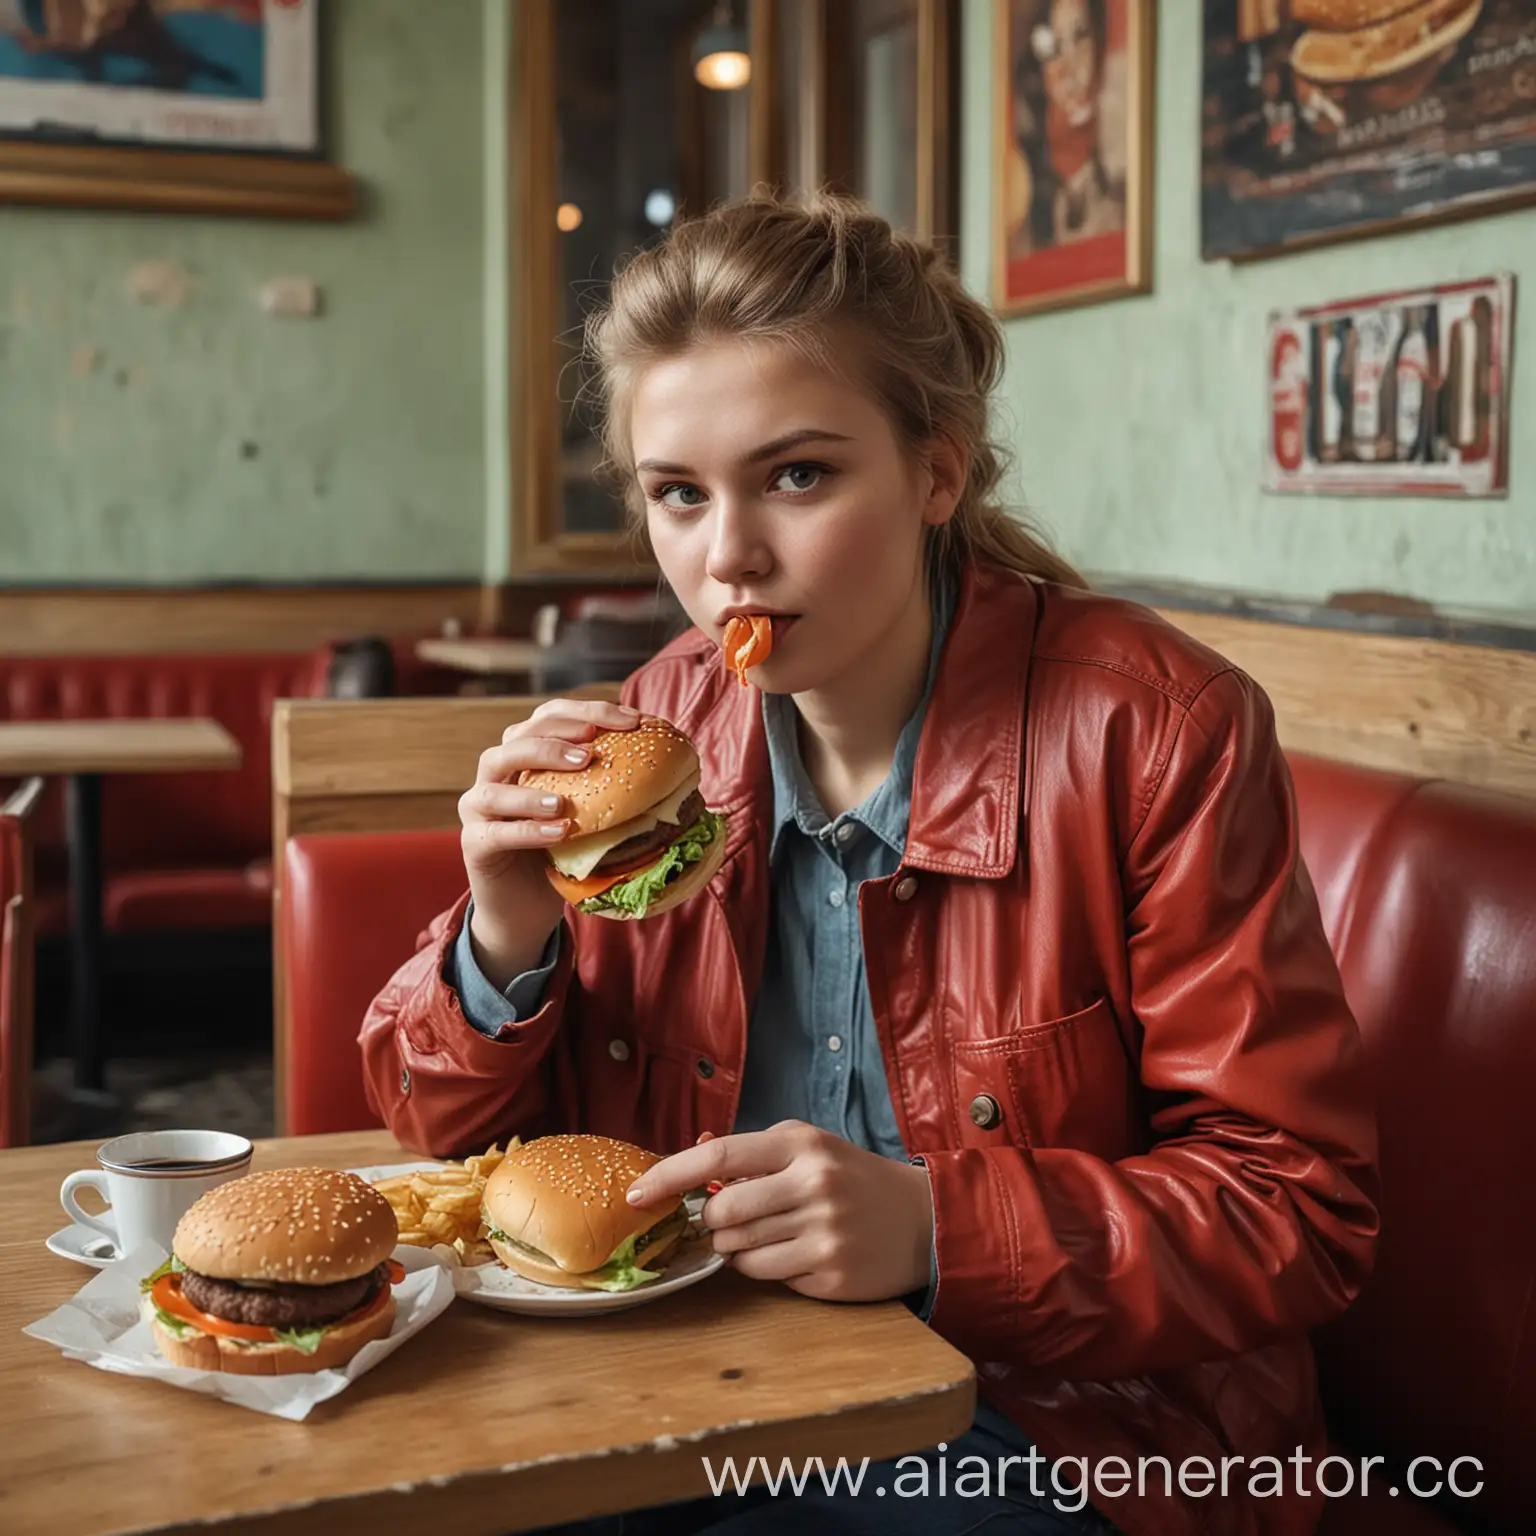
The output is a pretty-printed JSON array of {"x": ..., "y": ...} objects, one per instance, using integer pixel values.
[{"x": 1072, "y": 134}]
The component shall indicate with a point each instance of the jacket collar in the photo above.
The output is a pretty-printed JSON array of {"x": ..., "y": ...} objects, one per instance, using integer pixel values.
[
  {"x": 968, "y": 783},
  {"x": 967, "y": 792}
]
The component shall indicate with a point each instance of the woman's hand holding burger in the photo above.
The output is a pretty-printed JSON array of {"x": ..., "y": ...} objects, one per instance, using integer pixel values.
[
  {"x": 803, "y": 1206},
  {"x": 507, "y": 828}
]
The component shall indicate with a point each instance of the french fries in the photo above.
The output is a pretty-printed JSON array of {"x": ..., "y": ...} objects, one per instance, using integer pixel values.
[{"x": 442, "y": 1205}]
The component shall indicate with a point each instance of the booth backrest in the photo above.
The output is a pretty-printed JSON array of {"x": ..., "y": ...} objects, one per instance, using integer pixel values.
[
  {"x": 353, "y": 908},
  {"x": 167, "y": 820},
  {"x": 17, "y": 968},
  {"x": 1428, "y": 892}
]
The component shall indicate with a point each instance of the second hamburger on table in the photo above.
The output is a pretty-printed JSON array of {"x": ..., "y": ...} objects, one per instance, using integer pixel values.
[
  {"x": 641, "y": 838},
  {"x": 557, "y": 1215}
]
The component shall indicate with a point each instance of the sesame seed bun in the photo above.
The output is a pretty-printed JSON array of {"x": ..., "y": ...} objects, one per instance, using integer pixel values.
[
  {"x": 203, "y": 1352},
  {"x": 560, "y": 1199},
  {"x": 1346, "y": 15},
  {"x": 301, "y": 1226},
  {"x": 628, "y": 773},
  {"x": 1362, "y": 40}
]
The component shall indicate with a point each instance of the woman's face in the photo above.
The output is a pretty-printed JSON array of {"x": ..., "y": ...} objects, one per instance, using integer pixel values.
[
  {"x": 1071, "y": 67},
  {"x": 772, "y": 486}
]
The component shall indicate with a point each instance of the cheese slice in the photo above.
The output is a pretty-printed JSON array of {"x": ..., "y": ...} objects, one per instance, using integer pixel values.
[
  {"x": 581, "y": 855},
  {"x": 672, "y": 806}
]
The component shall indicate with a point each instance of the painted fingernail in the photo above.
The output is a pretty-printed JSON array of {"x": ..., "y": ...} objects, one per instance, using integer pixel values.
[
  {"x": 714, "y": 1186},
  {"x": 552, "y": 829},
  {"x": 550, "y": 802},
  {"x": 576, "y": 755}
]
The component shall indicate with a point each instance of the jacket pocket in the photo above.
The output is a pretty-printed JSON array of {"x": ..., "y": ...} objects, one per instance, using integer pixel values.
[{"x": 1068, "y": 1083}]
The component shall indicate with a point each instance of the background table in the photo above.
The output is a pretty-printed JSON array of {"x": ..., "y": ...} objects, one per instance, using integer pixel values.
[
  {"x": 486, "y": 1422},
  {"x": 84, "y": 750},
  {"x": 485, "y": 657}
]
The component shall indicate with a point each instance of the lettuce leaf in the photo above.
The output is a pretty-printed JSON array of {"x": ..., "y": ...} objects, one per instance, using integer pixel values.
[
  {"x": 172, "y": 1266},
  {"x": 621, "y": 1273},
  {"x": 175, "y": 1326},
  {"x": 305, "y": 1340},
  {"x": 637, "y": 893}
]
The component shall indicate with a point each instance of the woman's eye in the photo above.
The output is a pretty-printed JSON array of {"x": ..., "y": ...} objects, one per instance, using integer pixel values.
[
  {"x": 799, "y": 477},
  {"x": 680, "y": 498}
]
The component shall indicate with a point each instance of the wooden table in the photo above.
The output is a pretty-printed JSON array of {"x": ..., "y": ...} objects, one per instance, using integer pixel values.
[
  {"x": 486, "y": 657},
  {"x": 85, "y": 750},
  {"x": 485, "y": 1422}
]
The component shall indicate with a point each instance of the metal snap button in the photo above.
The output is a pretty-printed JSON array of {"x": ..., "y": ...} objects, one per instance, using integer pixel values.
[
  {"x": 847, "y": 832},
  {"x": 906, "y": 888},
  {"x": 704, "y": 1067},
  {"x": 986, "y": 1112},
  {"x": 834, "y": 1042},
  {"x": 405, "y": 1079},
  {"x": 834, "y": 898},
  {"x": 619, "y": 1050}
]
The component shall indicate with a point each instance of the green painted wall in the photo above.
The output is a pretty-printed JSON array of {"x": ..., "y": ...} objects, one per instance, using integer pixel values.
[
  {"x": 1138, "y": 424},
  {"x": 204, "y": 440}
]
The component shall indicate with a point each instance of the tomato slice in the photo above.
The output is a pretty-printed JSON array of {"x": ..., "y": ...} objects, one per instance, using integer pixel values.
[
  {"x": 748, "y": 643},
  {"x": 578, "y": 891},
  {"x": 167, "y": 1295}
]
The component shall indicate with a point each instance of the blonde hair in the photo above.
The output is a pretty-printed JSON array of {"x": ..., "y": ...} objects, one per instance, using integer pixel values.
[{"x": 766, "y": 268}]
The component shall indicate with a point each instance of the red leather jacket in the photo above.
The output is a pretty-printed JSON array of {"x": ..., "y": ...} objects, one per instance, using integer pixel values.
[{"x": 1101, "y": 929}]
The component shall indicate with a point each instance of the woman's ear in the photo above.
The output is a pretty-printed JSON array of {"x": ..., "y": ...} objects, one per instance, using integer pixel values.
[{"x": 949, "y": 465}]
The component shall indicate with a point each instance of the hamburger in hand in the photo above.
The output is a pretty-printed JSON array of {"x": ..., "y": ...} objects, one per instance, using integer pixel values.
[
  {"x": 277, "y": 1273},
  {"x": 641, "y": 838},
  {"x": 557, "y": 1214}
]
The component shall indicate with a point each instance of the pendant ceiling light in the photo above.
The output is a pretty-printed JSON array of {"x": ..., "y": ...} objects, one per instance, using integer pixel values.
[{"x": 720, "y": 57}]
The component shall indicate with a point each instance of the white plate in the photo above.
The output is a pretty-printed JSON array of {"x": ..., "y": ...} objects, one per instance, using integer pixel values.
[
  {"x": 493, "y": 1285},
  {"x": 85, "y": 1245}
]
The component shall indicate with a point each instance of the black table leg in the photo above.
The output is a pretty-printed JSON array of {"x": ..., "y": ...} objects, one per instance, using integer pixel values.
[{"x": 86, "y": 944}]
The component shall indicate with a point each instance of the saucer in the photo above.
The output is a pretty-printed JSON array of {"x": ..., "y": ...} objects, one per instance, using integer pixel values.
[{"x": 85, "y": 1245}]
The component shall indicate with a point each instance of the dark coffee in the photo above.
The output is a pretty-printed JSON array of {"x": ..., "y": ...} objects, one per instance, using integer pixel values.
[{"x": 180, "y": 1163}]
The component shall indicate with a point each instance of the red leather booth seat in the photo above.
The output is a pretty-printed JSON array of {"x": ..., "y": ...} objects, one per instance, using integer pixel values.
[
  {"x": 353, "y": 908},
  {"x": 1428, "y": 891}
]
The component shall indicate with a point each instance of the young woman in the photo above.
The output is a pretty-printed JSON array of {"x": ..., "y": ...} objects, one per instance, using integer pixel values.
[{"x": 1011, "y": 996}]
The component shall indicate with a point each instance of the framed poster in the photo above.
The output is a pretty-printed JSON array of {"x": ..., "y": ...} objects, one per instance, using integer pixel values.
[
  {"x": 199, "y": 106},
  {"x": 1072, "y": 129},
  {"x": 225, "y": 74},
  {"x": 1329, "y": 118},
  {"x": 1399, "y": 394}
]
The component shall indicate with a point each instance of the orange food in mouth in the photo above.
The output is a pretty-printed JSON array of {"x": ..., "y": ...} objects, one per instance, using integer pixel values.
[{"x": 748, "y": 642}]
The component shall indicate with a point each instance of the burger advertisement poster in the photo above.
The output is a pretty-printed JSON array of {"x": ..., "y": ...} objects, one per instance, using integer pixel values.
[
  {"x": 1327, "y": 118},
  {"x": 1398, "y": 394}
]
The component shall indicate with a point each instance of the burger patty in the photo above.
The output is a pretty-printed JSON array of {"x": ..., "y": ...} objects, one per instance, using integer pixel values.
[
  {"x": 655, "y": 841},
  {"x": 280, "y": 1306}
]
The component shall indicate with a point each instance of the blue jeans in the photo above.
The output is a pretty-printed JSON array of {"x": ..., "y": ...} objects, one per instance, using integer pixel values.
[{"x": 910, "y": 1504}]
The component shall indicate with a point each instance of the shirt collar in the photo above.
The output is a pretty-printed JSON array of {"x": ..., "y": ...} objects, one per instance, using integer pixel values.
[{"x": 887, "y": 810}]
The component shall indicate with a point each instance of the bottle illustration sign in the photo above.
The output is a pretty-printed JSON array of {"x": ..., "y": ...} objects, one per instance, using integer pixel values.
[{"x": 1398, "y": 394}]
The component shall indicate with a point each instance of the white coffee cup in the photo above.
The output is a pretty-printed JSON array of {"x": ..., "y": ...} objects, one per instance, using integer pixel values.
[{"x": 150, "y": 1179}]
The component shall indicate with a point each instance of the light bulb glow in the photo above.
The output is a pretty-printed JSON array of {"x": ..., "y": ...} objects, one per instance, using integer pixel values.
[
  {"x": 723, "y": 71},
  {"x": 568, "y": 217}
]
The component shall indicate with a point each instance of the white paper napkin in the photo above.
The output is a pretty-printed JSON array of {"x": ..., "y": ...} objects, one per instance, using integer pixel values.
[{"x": 103, "y": 1325}]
